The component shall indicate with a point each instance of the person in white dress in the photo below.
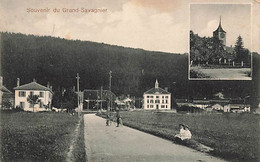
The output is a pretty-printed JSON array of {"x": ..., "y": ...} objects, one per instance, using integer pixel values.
[{"x": 184, "y": 132}]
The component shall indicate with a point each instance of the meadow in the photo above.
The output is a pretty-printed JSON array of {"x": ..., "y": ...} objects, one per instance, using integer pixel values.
[
  {"x": 45, "y": 136},
  {"x": 234, "y": 137}
]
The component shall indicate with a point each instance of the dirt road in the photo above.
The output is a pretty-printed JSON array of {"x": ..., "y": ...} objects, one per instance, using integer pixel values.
[{"x": 124, "y": 144}]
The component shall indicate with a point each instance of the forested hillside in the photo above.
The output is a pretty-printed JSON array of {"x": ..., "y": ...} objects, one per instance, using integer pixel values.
[{"x": 134, "y": 71}]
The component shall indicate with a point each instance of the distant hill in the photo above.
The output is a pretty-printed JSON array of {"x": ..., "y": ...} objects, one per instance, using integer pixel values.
[{"x": 134, "y": 71}]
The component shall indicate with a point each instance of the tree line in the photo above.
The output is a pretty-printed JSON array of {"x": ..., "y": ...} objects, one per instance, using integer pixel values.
[
  {"x": 134, "y": 71},
  {"x": 210, "y": 50}
]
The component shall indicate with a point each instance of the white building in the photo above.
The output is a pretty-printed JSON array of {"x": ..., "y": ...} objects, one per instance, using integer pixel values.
[
  {"x": 22, "y": 92},
  {"x": 157, "y": 98}
]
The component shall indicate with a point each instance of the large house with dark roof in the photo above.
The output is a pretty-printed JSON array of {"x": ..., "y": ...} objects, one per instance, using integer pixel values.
[
  {"x": 157, "y": 98},
  {"x": 22, "y": 92}
]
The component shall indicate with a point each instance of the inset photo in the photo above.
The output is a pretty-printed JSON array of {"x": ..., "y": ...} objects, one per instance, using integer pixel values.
[{"x": 220, "y": 42}]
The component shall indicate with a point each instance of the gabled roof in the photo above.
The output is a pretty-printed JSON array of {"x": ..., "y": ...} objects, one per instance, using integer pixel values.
[
  {"x": 157, "y": 91},
  {"x": 33, "y": 86},
  {"x": 4, "y": 89}
]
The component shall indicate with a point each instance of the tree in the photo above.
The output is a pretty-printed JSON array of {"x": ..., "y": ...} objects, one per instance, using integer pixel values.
[
  {"x": 33, "y": 99},
  {"x": 65, "y": 99},
  {"x": 69, "y": 100},
  {"x": 239, "y": 49}
]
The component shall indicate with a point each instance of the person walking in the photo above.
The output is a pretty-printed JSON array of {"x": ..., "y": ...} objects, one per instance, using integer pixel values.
[{"x": 118, "y": 118}]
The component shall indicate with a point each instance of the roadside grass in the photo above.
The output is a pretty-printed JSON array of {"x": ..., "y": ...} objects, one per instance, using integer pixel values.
[
  {"x": 39, "y": 136},
  {"x": 79, "y": 149},
  {"x": 234, "y": 137}
]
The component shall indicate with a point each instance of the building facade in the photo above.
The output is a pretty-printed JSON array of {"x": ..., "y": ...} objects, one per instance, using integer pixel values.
[
  {"x": 22, "y": 92},
  {"x": 157, "y": 99}
]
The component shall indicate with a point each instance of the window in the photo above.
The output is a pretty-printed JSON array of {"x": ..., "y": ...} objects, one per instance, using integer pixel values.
[
  {"x": 166, "y": 96},
  {"x": 147, "y": 106},
  {"x": 147, "y": 96},
  {"x": 147, "y": 101},
  {"x": 21, "y": 94},
  {"x": 157, "y": 96},
  {"x": 151, "y": 101},
  {"x": 151, "y": 96},
  {"x": 157, "y": 101},
  {"x": 166, "y": 106},
  {"x": 162, "y": 106},
  {"x": 151, "y": 106},
  {"x": 162, "y": 96},
  {"x": 31, "y": 93},
  {"x": 163, "y": 101},
  {"x": 166, "y": 101},
  {"x": 41, "y": 94}
]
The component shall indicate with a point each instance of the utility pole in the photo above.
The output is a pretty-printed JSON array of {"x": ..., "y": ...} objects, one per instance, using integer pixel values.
[
  {"x": 101, "y": 97},
  {"x": 110, "y": 98},
  {"x": 78, "y": 92}
]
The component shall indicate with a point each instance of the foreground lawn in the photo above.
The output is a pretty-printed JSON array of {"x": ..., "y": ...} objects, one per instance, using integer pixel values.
[
  {"x": 234, "y": 137},
  {"x": 29, "y": 136}
]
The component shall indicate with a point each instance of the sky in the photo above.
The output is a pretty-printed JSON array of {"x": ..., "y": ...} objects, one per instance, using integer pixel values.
[{"x": 156, "y": 25}]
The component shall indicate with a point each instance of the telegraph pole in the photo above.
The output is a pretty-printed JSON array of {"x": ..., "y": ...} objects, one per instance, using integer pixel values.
[
  {"x": 78, "y": 92},
  {"x": 101, "y": 97},
  {"x": 110, "y": 98}
]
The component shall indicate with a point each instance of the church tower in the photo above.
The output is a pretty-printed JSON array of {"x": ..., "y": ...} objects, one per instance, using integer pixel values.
[{"x": 220, "y": 34}]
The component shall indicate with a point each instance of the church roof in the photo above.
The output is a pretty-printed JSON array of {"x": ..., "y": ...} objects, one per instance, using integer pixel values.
[
  {"x": 230, "y": 49},
  {"x": 33, "y": 86},
  {"x": 219, "y": 29},
  {"x": 156, "y": 91}
]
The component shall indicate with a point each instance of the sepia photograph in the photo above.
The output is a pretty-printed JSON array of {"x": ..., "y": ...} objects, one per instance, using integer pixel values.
[
  {"x": 220, "y": 41},
  {"x": 129, "y": 80}
]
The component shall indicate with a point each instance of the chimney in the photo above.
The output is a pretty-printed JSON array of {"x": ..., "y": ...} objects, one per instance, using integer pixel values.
[
  {"x": 34, "y": 80},
  {"x": 166, "y": 89},
  {"x": 18, "y": 82},
  {"x": 51, "y": 87},
  {"x": 48, "y": 84}
]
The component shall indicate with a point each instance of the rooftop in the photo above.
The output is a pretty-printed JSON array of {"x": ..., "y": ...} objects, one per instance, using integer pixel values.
[{"x": 33, "y": 86}]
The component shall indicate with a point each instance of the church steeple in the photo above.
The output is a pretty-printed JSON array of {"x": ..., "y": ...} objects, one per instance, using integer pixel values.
[
  {"x": 220, "y": 34},
  {"x": 156, "y": 84}
]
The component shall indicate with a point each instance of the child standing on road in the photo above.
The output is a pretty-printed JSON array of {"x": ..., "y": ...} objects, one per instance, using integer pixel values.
[
  {"x": 108, "y": 119},
  {"x": 118, "y": 118}
]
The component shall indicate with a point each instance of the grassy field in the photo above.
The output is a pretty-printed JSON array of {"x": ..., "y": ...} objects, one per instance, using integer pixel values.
[
  {"x": 234, "y": 137},
  {"x": 235, "y": 73},
  {"x": 29, "y": 136}
]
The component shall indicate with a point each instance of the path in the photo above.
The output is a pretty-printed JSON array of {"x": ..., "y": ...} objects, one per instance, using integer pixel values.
[
  {"x": 124, "y": 144},
  {"x": 225, "y": 73}
]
